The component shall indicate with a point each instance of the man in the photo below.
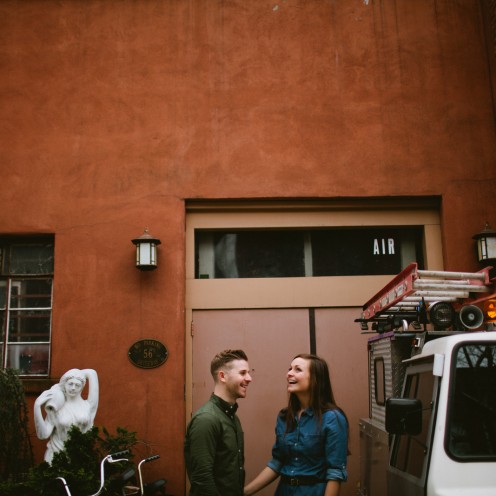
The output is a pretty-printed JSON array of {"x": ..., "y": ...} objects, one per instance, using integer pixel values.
[{"x": 214, "y": 448}]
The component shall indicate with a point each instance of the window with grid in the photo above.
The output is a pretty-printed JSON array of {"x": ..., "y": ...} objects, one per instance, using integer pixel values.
[{"x": 26, "y": 280}]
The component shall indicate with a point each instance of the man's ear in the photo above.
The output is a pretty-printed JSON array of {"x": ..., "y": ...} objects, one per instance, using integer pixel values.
[{"x": 221, "y": 375}]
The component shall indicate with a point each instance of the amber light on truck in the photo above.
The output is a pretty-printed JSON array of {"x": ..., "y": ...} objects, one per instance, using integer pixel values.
[{"x": 489, "y": 310}]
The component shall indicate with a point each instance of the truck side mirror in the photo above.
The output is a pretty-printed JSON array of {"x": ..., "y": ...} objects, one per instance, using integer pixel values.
[{"x": 403, "y": 416}]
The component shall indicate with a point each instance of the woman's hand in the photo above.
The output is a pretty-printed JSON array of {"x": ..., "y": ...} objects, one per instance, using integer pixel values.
[
  {"x": 264, "y": 478},
  {"x": 44, "y": 426},
  {"x": 332, "y": 488}
]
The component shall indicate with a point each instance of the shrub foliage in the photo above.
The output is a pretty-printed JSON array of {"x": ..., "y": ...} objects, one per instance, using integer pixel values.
[
  {"x": 78, "y": 463},
  {"x": 16, "y": 453}
]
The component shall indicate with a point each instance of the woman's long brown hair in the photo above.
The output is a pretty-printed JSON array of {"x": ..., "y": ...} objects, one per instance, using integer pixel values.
[{"x": 321, "y": 395}]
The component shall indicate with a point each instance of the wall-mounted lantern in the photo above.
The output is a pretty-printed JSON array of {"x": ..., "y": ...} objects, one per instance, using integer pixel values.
[
  {"x": 486, "y": 244},
  {"x": 146, "y": 251}
]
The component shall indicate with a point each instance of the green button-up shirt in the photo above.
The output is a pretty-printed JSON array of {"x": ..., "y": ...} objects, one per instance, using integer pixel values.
[{"x": 214, "y": 450}]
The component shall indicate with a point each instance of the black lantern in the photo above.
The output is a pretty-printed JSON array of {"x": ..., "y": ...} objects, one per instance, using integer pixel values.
[
  {"x": 146, "y": 251},
  {"x": 486, "y": 244}
]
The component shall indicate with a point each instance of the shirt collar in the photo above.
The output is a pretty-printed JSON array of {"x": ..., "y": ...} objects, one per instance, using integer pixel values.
[
  {"x": 227, "y": 408},
  {"x": 307, "y": 411}
]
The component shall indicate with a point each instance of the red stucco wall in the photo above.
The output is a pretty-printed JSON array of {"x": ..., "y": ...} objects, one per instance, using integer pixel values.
[{"x": 115, "y": 112}]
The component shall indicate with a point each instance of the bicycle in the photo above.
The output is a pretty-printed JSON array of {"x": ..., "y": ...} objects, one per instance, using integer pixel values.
[
  {"x": 121, "y": 483},
  {"x": 107, "y": 459}
]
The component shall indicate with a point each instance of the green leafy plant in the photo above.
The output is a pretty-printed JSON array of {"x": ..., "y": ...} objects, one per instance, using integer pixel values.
[
  {"x": 78, "y": 464},
  {"x": 16, "y": 453}
]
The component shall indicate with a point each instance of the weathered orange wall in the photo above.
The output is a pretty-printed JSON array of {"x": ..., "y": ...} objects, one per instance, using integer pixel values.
[{"x": 113, "y": 112}]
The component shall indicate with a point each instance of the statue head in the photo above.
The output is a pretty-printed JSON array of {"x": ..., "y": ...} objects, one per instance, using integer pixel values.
[{"x": 72, "y": 382}]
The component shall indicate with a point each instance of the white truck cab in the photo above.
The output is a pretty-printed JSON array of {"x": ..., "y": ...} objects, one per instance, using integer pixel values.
[{"x": 431, "y": 429}]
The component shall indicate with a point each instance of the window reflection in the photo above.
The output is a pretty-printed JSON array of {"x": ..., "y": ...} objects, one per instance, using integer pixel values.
[
  {"x": 410, "y": 452},
  {"x": 380, "y": 381},
  {"x": 31, "y": 259},
  {"x": 306, "y": 253},
  {"x": 471, "y": 431},
  {"x": 26, "y": 276}
]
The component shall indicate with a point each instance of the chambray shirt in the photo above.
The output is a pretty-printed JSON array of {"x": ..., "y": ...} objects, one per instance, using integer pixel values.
[{"x": 312, "y": 449}]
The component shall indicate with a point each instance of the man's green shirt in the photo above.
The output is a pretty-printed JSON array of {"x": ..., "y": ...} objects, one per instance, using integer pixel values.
[{"x": 214, "y": 450}]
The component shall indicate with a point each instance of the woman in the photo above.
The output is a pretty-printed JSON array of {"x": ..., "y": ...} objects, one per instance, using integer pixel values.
[
  {"x": 65, "y": 407},
  {"x": 311, "y": 436}
]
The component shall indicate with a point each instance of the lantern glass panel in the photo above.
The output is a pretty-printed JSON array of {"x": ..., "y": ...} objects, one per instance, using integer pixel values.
[
  {"x": 491, "y": 247},
  {"x": 481, "y": 249},
  {"x": 145, "y": 253}
]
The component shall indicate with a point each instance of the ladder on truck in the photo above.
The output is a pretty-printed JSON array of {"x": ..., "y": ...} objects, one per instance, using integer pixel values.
[{"x": 408, "y": 295}]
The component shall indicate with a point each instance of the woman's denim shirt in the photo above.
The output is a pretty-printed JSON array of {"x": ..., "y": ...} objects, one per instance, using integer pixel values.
[{"x": 314, "y": 448}]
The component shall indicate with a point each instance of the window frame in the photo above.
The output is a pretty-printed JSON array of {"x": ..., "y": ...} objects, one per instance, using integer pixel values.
[
  {"x": 319, "y": 257},
  {"x": 451, "y": 406},
  {"x": 411, "y": 379},
  {"x": 380, "y": 385},
  {"x": 10, "y": 279}
]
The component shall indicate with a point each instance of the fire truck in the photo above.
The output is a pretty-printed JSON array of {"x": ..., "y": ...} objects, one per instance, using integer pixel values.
[{"x": 431, "y": 429}]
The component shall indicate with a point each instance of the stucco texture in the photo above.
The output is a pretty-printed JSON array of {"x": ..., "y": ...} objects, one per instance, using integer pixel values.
[{"x": 114, "y": 112}]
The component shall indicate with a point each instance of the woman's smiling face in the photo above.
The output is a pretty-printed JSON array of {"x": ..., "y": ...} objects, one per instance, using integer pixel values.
[{"x": 298, "y": 376}]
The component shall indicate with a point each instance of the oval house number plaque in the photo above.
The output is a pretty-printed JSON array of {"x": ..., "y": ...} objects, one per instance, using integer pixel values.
[{"x": 148, "y": 353}]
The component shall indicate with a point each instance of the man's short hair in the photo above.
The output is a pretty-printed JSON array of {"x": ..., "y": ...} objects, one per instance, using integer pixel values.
[{"x": 223, "y": 358}]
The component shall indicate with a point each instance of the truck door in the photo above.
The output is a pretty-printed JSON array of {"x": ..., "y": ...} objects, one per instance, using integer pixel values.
[{"x": 407, "y": 472}]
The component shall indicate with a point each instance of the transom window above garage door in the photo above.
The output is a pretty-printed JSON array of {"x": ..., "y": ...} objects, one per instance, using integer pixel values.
[{"x": 250, "y": 253}]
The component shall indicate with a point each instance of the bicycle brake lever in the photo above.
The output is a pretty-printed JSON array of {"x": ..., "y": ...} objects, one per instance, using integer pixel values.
[
  {"x": 120, "y": 453},
  {"x": 111, "y": 458},
  {"x": 151, "y": 458}
]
